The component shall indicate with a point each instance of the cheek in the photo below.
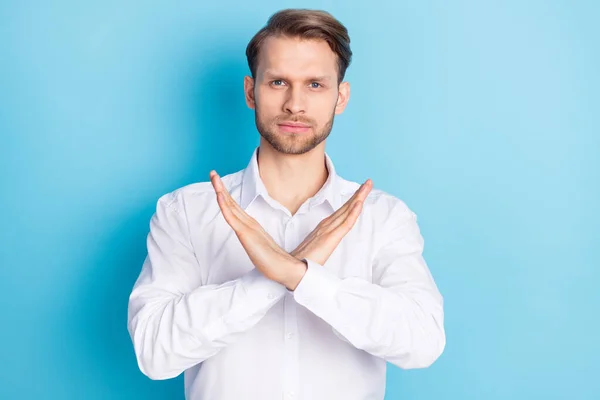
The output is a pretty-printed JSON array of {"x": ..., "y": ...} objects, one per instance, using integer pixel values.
[
  {"x": 269, "y": 96},
  {"x": 268, "y": 104},
  {"x": 323, "y": 107}
]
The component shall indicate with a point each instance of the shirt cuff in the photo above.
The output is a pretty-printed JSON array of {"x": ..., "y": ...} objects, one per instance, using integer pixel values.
[
  {"x": 317, "y": 287},
  {"x": 258, "y": 286}
]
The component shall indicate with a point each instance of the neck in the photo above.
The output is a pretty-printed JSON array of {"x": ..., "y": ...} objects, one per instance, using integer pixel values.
[{"x": 291, "y": 179}]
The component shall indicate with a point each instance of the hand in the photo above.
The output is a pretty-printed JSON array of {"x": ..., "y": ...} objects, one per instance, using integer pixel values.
[
  {"x": 266, "y": 255},
  {"x": 321, "y": 242}
]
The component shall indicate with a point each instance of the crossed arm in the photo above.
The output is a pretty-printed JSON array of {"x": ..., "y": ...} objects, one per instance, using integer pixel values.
[{"x": 175, "y": 323}]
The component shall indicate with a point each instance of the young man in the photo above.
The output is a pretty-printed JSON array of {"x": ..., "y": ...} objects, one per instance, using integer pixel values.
[{"x": 285, "y": 280}]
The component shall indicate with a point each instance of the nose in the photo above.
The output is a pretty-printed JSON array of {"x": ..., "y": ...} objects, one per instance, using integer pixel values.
[{"x": 295, "y": 102}]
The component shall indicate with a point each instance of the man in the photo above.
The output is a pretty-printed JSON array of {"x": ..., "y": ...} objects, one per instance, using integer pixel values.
[{"x": 285, "y": 280}]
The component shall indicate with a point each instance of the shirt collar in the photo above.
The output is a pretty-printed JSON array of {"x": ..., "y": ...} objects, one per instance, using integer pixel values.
[{"x": 253, "y": 186}]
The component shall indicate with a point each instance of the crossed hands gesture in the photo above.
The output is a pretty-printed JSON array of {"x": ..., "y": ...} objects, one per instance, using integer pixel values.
[{"x": 266, "y": 255}]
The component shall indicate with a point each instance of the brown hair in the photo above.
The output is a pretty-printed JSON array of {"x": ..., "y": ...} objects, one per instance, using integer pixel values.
[{"x": 305, "y": 24}]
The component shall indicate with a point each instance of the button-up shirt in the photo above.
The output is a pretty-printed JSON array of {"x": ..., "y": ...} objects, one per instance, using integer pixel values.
[{"x": 199, "y": 305}]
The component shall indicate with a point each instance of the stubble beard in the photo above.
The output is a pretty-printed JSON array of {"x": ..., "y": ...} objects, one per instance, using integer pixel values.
[{"x": 292, "y": 143}]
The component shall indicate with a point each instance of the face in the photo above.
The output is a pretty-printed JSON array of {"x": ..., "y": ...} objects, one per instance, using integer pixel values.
[{"x": 295, "y": 94}]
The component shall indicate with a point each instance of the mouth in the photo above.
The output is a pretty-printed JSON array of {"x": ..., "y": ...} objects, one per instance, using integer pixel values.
[{"x": 294, "y": 127}]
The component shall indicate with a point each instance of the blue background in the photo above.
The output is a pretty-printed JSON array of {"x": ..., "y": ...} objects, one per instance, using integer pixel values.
[{"x": 483, "y": 116}]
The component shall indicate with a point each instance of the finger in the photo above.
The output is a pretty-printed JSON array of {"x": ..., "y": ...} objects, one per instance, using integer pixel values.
[
  {"x": 228, "y": 201},
  {"x": 235, "y": 215},
  {"x": 364, "y": 192},
  {"x": 232, "y": 219},
  {"x": 352, "y": 210},
  {"x": 359, "y": 195},
  {"x": 216, "y": 182},
  {"x": 238, "y": 211},
  {"x": 219, "y": 190},
  {"x": 345, "y": 224},
  {"x": 350, "y": 220},
  {"x": 235, "y": 207},
  {"x": 220, "y": 186},
  {"x": 337, "y": 232}
]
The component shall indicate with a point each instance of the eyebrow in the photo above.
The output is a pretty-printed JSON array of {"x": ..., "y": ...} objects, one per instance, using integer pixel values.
[{"x": 273, "y": 74}]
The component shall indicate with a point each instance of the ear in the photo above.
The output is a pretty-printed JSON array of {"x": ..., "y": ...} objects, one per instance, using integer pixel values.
[
  {"x": 249, "y": 91},
  {"x": 343, "y": 97}
]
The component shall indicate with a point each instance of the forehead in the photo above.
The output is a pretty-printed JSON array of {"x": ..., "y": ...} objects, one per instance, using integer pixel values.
[{"x": 296, "y": 57}]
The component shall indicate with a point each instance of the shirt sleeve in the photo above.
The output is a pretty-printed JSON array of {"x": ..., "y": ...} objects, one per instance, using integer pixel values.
[
  {"x": 174, "y": 321},
  {"x": 398, "y": 316}
]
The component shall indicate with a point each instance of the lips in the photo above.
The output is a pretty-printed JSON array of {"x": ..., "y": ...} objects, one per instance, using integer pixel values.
[
  {"x": 293, "y": 127},
  {"x": 295, "y": 124}
]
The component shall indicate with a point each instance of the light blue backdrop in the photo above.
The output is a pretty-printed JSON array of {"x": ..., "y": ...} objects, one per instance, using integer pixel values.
[{"x": 483, "y": 116}]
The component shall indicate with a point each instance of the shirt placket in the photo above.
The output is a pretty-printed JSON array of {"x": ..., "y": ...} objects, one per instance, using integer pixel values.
[{"x": 291, "y": 372}]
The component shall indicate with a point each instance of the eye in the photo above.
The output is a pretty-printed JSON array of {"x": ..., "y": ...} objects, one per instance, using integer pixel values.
[
  {"x": 277, "y": 82},
  {"x": 315, "y": 83}
]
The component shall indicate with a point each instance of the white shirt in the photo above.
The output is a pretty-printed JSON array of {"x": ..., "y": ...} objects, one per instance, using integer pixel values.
[{"x": 200, "y": 307}]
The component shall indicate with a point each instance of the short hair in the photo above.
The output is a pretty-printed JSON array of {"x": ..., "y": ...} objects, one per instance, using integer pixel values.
[{"x": 305, "y": 24}]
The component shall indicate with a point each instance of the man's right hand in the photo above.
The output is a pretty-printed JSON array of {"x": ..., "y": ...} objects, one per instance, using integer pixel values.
[{"x": 266, "y": 255}]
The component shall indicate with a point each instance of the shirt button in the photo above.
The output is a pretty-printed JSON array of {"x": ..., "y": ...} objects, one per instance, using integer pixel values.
[
  {"x": 290, "y": 335},
  {"x": 270, "y": 296},
  {"x": 290, "y": 394}
]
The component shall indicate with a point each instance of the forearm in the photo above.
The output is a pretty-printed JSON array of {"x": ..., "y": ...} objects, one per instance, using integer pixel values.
[
  {"x": 172, "y": 332},
  {"x": 403, "y": 325}
]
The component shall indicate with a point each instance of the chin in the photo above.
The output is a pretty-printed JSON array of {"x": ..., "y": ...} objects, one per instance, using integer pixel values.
[{"x": 291, "y": 143}]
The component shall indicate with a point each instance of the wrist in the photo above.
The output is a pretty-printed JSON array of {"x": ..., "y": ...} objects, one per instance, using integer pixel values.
[{"x": 294, "y": 273}]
